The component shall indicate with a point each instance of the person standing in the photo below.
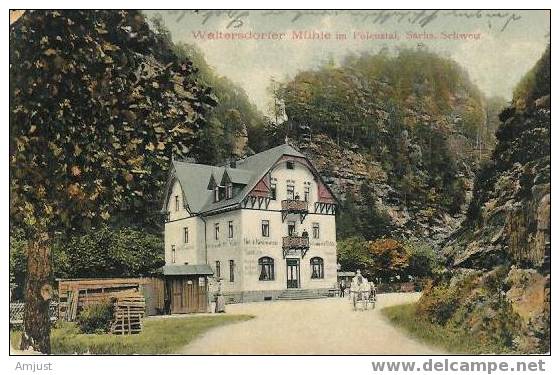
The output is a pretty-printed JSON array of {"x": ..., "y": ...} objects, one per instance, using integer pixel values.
[
  {"x": 342, "y": 288},
  {"x": 211, "y": 295},
  {"x": 220, "y": 301}
]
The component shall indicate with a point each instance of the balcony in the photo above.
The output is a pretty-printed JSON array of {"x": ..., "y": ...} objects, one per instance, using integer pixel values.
[
  {"x": 294, "y": 206},
  {"x": 291, "y": 245}
]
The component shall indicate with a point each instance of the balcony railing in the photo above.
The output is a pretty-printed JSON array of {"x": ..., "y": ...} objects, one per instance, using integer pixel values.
[
  {"x": 295, "y": 242},
  {"x": 293, "y": 205},
  {"x": 295, "y": 245}
]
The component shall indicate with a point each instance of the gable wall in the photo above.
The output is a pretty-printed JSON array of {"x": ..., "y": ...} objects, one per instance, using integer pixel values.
[{"x": 192, "y": 252}]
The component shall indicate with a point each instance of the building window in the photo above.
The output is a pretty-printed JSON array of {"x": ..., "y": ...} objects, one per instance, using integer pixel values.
[
  {"x": 317, "y": 271},
  {"x": 265, "y": 228},
  {"x": 290, "y": 164},
  {"x": 216, "y": 231},
  {"x": 231, "y": 271},
  {"x": 173, "y": 254},
  {"x": 306, "y": 193},
  {"x": 315, "y": 230},
  {"x": 230, "y": 229},
  {"x": 273, "y": 191},
  {"x": 216, "y": 194},
  {"x": 229, "y": 190},
  {"x": 186, "y": 235},
  {"x": 290, "y": 191},
  {"x": 176, "y": 203},
  {"x": 291, "y": 228},
  {"x": 266, "y": 265},
  {"x": 218, "y": 270}
]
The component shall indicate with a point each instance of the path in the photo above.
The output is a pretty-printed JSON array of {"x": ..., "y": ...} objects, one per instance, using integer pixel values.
[{"x": 322, "y": 326}]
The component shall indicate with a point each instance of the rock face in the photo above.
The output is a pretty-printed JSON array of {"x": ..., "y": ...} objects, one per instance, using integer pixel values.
[
  {"x": 403, "y": 133},
  {"x": 507, "y": 229},
  {"x": 346, "y": 169}
]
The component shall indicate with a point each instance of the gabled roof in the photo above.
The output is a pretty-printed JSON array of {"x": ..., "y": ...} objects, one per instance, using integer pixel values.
[
  {"x": 237, "y": 176},
  {"x": 194, "y": 178}
]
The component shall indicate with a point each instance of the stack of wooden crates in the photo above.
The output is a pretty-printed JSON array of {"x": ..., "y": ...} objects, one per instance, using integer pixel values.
[
  {"x": 129, "y": 312},
  {"x": 127, "y": 294}
]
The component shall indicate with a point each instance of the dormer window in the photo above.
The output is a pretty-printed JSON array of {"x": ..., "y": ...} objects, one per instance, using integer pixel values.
[
  {"x": 229, "y": 190},
  {"x": 290, "y": 165}
]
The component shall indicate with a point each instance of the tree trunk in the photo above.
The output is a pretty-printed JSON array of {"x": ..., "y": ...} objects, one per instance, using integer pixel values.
[{"x": 38, "y": 292}]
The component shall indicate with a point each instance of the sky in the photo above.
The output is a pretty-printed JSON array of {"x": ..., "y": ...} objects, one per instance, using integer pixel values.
[{"x": 501, "y": 46}]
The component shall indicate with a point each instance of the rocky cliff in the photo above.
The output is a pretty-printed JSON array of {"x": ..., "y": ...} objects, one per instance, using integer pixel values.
[
  {"x": 399, "y": 134},
  {"x": 502, "y": 248},
  {"x": 348, "y": 172}
]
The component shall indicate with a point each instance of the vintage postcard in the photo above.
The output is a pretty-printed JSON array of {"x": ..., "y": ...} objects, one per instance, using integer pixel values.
[{"x": 280, "y": 182}]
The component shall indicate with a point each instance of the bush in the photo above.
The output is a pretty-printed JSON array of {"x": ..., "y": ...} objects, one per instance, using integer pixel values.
[
  {"x": 440, "y": 302},
  {"x": 437, "y": 304},
  {"x": 389, "y": 257},
  {"x": 96, "y": 318},
  {"x": 423, "y": 260}
]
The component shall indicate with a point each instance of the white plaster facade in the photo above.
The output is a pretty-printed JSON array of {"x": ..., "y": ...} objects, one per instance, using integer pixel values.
[{"x": 230, "y": 236}]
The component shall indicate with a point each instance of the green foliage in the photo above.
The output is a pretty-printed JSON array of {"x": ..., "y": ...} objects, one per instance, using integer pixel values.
[
  {"x": 423, "y": 260},
  {"x": 102, "y": 252},
  {"x": 95, "y": 318},
  {"x": 385, "y": 258},
  {"x": 389, "y": 257},
  {"x": 535, "y": 83},
  {"x": 364, "y": 220},
  {"x": 353, "y": 255},
  {"x": 106, "y": 252},
  {"x": 402, "y": 110},
  {"x": 98, "y": 104},
  {"x": 449, "y": 339},
  {"x": 439, "y": 302},
  {"x": 234, "y": 121},
  {"x": 474, "y": 304}
]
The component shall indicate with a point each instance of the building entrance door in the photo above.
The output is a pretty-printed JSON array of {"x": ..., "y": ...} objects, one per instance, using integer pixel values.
[
  {"x": 292, "y": 268},
  {"x": 189, "y": 294}
]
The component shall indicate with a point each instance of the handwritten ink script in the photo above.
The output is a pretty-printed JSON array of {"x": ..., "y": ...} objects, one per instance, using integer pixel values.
[{"x": 238, "y": 18}]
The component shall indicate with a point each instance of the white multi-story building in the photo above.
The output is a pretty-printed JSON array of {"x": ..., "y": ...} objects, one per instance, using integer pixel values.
[{"x": 262, "y": 225}]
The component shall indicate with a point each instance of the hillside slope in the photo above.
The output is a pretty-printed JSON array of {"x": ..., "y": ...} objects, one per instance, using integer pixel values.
[
  {"x": 397, "y": 135},
  {"x": 501, "y": 254}
]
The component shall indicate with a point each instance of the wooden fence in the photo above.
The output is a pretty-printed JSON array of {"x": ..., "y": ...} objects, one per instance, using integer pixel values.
[{"x": 75, "y": 294}]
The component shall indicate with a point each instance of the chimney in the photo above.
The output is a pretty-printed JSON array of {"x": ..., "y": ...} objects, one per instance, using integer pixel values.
[{"x": 231, "y": 162}]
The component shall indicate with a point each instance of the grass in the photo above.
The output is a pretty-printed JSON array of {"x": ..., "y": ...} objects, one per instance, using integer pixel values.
[
  {"x": 453, "y": 341},
  {"x": 159, "y": 336}
]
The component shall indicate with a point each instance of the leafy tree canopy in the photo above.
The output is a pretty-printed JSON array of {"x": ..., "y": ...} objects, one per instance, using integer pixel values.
[{"x": 98, "y": 105}]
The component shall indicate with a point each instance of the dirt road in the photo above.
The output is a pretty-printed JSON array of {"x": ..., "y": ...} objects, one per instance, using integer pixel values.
[{"x": 323, "y": 326}]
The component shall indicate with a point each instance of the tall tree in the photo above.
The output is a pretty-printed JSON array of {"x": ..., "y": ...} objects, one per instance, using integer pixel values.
[{"x": 98, "y": 105}]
